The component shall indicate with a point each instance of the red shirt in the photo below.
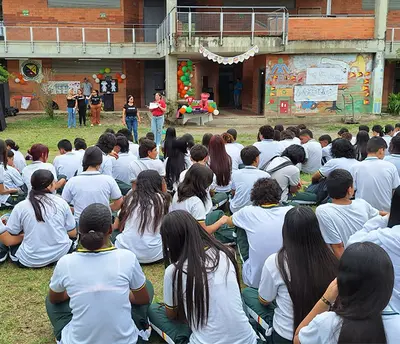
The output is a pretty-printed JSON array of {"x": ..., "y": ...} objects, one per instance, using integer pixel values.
[{"x": 158, "y": 112}]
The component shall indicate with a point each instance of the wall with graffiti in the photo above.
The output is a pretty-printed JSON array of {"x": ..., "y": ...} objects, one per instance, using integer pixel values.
[{"x": 321, "y": 84}]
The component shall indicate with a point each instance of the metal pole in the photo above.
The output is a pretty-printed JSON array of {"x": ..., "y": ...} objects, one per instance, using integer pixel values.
[
  {"x": 283, "y": 28},
  {"x": 190, "y": 28},
  {"x": 328, "y": 7},
  {"x": 5, "y": 39},
  {"x": 253, "y": 20},
  {"x": 83, "y": 41},
  {"x": 392, "y": 40},
  {"x": 31, "y": 32},
  {"x": 221, "y": 26},
  {"x": 109, "y": 40},
  {"x": 58, "y": 39},
  {"x": 134, "y": 40}
]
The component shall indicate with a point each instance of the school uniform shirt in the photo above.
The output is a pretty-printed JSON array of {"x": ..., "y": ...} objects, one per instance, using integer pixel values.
[
  {"x": 44, "y": 242},
  {"x": 98, "y": 284},
  {"x": 334, "y": 164},
  {"x": 242, "y": 182},
  {"x": 326, "y": 154},
  {"x": 272, "y": 287},
  {"x": 188, "y": 164},
  {"x": 130, "y": 110},
  {"x": 288, "y": 142},
  {"x": 34, "y": 166},
  {"x": 193, "y": 205},
  {"x": 374, "y": 182},
  {"x": 325, "y": 328},
  {"x": 339, "y": 222},
  {"x": 221, "y": 188},
  {"x": 12, "y": 178},
  {"x": 88, "y": 188},
  {"x": 134, "y": 149},
  {"x": 67, "y": 164},
  {"x": 269, "y": 149},
  {"x": 121, "y": 167},
  {"x": 286, "y": 177},
  {"x": 376, "y": 231},
  {"x": 147, "y": 247},
  {"x": 227, "y": 322},
  {"x": 395, "y": 160},
  {"x": 106, "y": 166},
  {"x": 314, "y": 155},
  {"x": 388, "y": 139},
  {"x": 238, "y": 145},
  {"x": 3, "y": 198},
  {"x": 234, "y": 153},
  {"x": 144, "y": 164},
  {"x": 263, "y": 227},
  {"x": 19, "y": 160}
]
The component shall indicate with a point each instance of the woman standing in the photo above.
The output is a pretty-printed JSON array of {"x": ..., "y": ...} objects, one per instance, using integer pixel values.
[
  {"x": 71, "y": 107},
  {"x": 82, "y": 106},
  {"x": 95, "y": 107},
  {"x": 130, "y": 117},
  {"x": 157, "y": 121}
]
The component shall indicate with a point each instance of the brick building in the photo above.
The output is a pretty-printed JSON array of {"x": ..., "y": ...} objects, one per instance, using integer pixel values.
[{"x": 313, "y": 56}]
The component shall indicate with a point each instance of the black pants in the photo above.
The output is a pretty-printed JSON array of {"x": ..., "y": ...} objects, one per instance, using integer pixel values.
[{"x": 82, "y": 114}]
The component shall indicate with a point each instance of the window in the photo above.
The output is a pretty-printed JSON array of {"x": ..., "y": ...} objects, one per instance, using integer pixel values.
[
  {"x": 370, "y": 4},
  {"x": 84, "y": 3}
]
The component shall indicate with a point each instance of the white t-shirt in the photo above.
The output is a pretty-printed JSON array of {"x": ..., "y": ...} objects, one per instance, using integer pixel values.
[
  {"x": 374, "y": 182},
  {"x": 227, "y": 322},
  {"x": 19, "y": 160},
  {"x": 314, "y": 155},
  {"x": 44, "y": 242},
  {"x": 325, "y": 328},
  {"x": 3, "y": 198},
  {"x": 107, "y": 165},
  {"x": 234, "y": 152},
  {"x": 221, "y": 188},
  {"x": 326, "y": 153},
  {"x": 242, "y": 182},
  {"x": 286, "y": 176},
  {"x": 394, "y": 159},
  {"x": 137, "y": 166},
  {"x": 288, "y": 142},
  {"x": 388, "y": 139},
  {"x": 339, "y": 222},
  {"x": 89, "y": 188},
  {"x": 193, "y": 205},
  {"x": 134, "y": 149},
  {"x": 99, "y": 283},
  {"x": 68, "y": 164},
  {"x": 12, "y": 178},
  {"x": 268, "y": 149},
  {"x": 148, "y": 247},
  {"x": 334, "y": 164},
  {"x": 263, "y": 227},
  {"x": 121, "y": 167},
  {"x": 238, "y": 145},
  {"x": 34, "y": 166},
  {"x": 272, "y": 287}
]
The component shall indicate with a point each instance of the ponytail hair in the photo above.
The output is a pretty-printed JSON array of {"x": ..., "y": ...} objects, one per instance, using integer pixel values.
[
  {"x": 40, "y": 181},
  {"x": 12, "y": 144},
  {"x": 93, "y": 157},
  {"x": 94, "y": 225}
]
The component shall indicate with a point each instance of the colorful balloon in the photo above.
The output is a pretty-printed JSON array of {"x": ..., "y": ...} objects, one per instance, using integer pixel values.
[
  {"x": 210, "y": 109},
  {"x": 186, "y": 83},
  {"x": 187, "y": 74},
  {"x": 99, "y": 76},
  {"x": 182, "y": 110},
  {"x": 189, "y": 109},
  {"x": 216, "y": 112},
  {"x": 107, "y": 70},
  {"x": 97, "y": 80},
  {"x": 189, "y": 63},
  {"x": 102, "y": 71},
  {"x": 183, "y": 63},
  {"x": 186, "y": 88},
  {"x": 184, "y": 69},
  {"x": 94, "y": 76},
  {"x": 17, "y": 80},
  {"x": 180, "y": 73},
  {"x": 123, "y": 76},
  {"x": 183, "y": 78}
]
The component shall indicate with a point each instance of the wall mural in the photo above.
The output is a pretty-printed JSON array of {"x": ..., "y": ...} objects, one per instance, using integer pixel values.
[{"x": 316, "y": 83}]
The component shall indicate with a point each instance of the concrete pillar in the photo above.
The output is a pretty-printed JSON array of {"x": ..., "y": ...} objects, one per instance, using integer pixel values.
[
  {"x": 171, "y": 87},
  {"x": 381, "y": 12},
  {"x": 328, "y": 7}
]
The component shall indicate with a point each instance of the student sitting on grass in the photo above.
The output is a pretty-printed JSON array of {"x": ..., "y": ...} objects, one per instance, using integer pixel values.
[
  {"x": 389, "y": 132},
  {"x": 232, "y": 150},
  {"x": 176, "y": 162},
  {"x": 244, "y": 179},
  {"x": 198, "y": 155},
  {"x": 288, "y": 138},
  {"x": 201, "y": 288},
  {"x": 361, "y": 145},
  {"x": 98, "y": 294},
  {"x": 133, "y": 147},
  {"x": 106, "y": 143},
  {"x": 375, "y": 179},
  {"x": 68, "y": 162},
  {"x": 343, "y": 217},
  {"x": 313, "y": 152},
  {"x": 121, "y": 165},
  {"x": 267, "y": 147},
  {"x": 91, "y": 186},
  {"x": 6, "y": 193},
  {"x": 19, "y": 159},
  {"x": 12, "y": 177},
  {"x": 221, "y": 164},
  {"x": 326, "y": 143},
  {"x": 140, "y": 218},
  {"x": 377, "y": 131},
  {"x": 206, "y": 139},
  {"x": 394, "y": 150},
  {"x": 80, "y": 146},
  {"x": 385, "y": 232},
  {"x": 39, "y": 229},
  {"x": 286, "y": 279},
  {"x": 259, "y": 228},
  {"x": 361, "y": 294},
  {"x": 296, "y": 132},
  {"x": 233, "y": 132}
]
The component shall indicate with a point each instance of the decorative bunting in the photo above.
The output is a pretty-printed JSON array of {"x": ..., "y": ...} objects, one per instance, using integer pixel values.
[{"x": 228, "y": 60}]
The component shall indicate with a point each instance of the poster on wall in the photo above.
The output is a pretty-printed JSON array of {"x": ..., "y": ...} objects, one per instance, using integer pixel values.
[
  {"x": 109, "y": 85},
  {"x": 326, "y": 76},
  {"x": 62, "y": 87},
  {"x": 31, "y": 70},
  {"x": 315, "y": 93}
]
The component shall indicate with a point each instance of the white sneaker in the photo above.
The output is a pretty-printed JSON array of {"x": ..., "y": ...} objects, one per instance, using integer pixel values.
[
  {"x": 3, "y": 256},
  {"x": 99, "y": 124},
  {"x": 91, "y": 125}
]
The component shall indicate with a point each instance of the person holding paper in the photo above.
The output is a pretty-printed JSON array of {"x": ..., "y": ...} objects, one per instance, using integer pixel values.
[{"x": 157, "y": 108}]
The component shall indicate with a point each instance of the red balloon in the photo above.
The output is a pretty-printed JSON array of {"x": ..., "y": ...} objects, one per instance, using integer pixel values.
[
  {"x": 100, "y": 76},
  {"x": 118, "y": 75},
  {"x": 183, "y": 63},
  {"x": 180, "y": 72}
]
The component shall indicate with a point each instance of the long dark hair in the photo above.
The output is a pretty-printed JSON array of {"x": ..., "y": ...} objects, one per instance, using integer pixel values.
[
  {"x": 12, "y": 144},
  {"x": 170, "y": 136},
  {"x": 220, "y": 161},
  {"x": 149, "y": 197},
  {"x": 176, "y": 162},
  {"x": 361, "y": 145},
  {"x": 194, "y": 254},
  {"x": 365, "y": 283},
  {"x": 307, "y": 278},
  {"x": 197, "y": 180},
  {"x": 3, "y": 154},
  {"x": 394, "y": 217},
  {"x": 378, "y": 129},
  {"x": 40, "y": 181}
]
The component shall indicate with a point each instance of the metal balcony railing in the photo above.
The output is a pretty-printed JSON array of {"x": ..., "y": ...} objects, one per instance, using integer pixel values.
[{"x": 392, "y": 37}]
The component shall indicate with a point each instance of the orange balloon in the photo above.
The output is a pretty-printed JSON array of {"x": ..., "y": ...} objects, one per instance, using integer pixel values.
[
  {"x": 182, "y": 94},
  {"x": 210, "y": 109},
  {"x": 120, "y": 81},
  {"x": 100, "y": 76},
  {"x": 180, "y": 72},
  {"x": 182, "y": 110},
  {"x": 183, "y": 63},
  {"x": 181, "y": 87}
]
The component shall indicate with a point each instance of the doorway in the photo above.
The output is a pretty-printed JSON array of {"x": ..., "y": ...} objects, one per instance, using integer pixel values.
[
  {"x": 261, "y": 91},
  {"x": 227, "y": 79}
]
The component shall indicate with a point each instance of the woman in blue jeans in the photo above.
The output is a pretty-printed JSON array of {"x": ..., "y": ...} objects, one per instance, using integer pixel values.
[
  {"x": 71, "y": 107},
  {"x": 130, "y": 117},
  {"x": 157, "y": 121}
]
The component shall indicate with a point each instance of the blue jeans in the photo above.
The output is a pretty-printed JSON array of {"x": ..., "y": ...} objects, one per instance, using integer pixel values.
[
  {"x": 132, "y": 124},
  {"x": 157, "y": 123},
  {"x": 71, "y": 118},
  {"x": 236, "y": 98}
]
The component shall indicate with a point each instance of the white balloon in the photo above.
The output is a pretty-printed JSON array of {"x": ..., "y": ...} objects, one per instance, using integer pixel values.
[
  {"x": 17, "y": 80},
  {"x": 97, "y": 80},
  {"x": 186, "y": 96},
  {"x": 123, "y": 76},
  {"x": 186, "y": 88},
  {"x": 184, "y": 106},
  {"x": 94, "y": 76},
  {"x": 191, "y": 75},
  {"x": 216, "y": 112},
  {"x": 190, "y": 84}
]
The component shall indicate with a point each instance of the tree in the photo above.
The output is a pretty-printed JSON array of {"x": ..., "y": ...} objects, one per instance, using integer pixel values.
[
  {"x": 44, "y": 92},
  {"x": 4, "y": 76}
]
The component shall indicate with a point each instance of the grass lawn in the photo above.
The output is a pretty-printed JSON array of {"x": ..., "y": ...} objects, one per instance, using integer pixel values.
[{"x": 23, "y": 316}]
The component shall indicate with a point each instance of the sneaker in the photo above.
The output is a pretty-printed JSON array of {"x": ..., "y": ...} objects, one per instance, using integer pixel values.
[
  {"x": 99, "y": 124},
  {"x": 3, "y": 254},
  {"x": 91, "y": 125}
]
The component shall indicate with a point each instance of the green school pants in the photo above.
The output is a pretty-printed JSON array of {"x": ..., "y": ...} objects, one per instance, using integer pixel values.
[
  {"x": 60, "y": 314},
  {"x": 124, "y": 187},
  {"x": 263, "y": 315},
  {"x": 219, "y": 199},
  {"x": 224, "y": 234},
  {"x": 242, "y": 243},
  {"x": 303, "y": 198}
]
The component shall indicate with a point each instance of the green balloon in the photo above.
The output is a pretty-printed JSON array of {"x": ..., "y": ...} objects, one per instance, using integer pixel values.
[
  {"x": 102, "y": 71},
  {"x": 189, "y": 63},
  {"x": 186, "y": 83},
  {"x": 187, "y": 74},
  {"x": 190, "y": 68},
  {"x": 189, "y": 109},
  {"x": 183, "y": 78},
  {"x": 184, "y": 69},
  {"x": 190, "y": 93}
]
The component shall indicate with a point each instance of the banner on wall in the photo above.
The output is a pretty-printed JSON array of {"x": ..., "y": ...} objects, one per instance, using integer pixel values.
[
  {"x": 62, "y": 87},
  {"x": 228, "y": 60},
  {"x": 326, "y": 76},
  {"x": 315, "y": 93}
]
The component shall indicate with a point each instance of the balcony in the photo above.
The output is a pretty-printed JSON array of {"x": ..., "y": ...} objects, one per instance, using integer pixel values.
[
  {"x": 77, "y": 42},
  {"x": 392, "y": 43}
]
